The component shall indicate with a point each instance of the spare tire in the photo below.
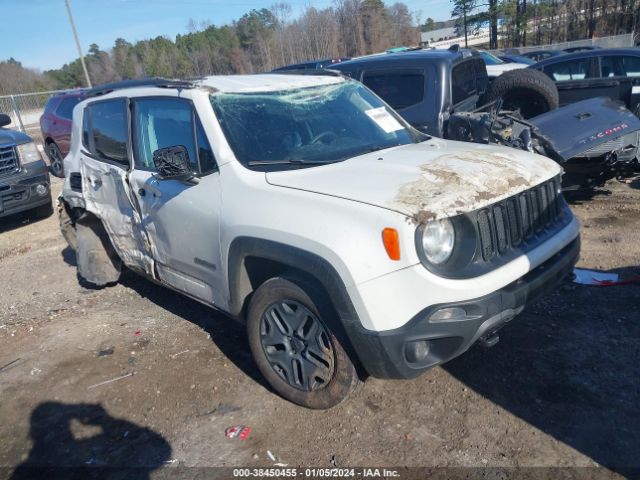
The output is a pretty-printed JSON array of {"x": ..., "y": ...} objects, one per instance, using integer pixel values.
[{"x": 530, "y": 91}]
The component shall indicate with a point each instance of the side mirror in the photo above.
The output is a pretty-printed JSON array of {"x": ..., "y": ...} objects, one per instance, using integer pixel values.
[
  {"x": 173, "y": 162},
  {"x": 4, "y": 119}
]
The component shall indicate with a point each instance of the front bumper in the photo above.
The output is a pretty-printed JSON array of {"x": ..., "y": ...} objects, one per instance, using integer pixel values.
[
  {"x": 18, "y": 191},
  {"x": 407, "y": 351}
]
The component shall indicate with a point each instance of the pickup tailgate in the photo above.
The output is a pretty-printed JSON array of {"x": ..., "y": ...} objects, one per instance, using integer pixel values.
[{"x": 575, "y": 129}]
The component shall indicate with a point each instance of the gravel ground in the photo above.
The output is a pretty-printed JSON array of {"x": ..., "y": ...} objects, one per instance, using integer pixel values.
[{"x": 559, "y": 390}]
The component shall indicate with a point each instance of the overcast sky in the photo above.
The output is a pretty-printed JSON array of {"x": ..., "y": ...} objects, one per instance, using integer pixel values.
[{"x": 37, "y": 32}]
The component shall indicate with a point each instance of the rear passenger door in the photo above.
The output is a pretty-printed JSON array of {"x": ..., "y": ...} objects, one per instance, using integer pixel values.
[
  {"x": 578, "y": 79},
  {"x": 631, "y": 86},
  {"x": 104, "y": 166},
  {"x": 181, "y": 217}
]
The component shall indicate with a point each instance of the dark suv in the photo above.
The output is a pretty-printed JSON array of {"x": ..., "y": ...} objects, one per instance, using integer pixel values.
[
  {"x": 55, "y": 124},
  {"x": 24, "y": 179},
  {"x": 606, "y": 72}
]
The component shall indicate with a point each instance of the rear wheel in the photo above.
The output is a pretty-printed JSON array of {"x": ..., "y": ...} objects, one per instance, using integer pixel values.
[
  {"x": 294, "y": 347},
  {"x": 530, "y": 91},
  {"x": 56, "y": 164}
]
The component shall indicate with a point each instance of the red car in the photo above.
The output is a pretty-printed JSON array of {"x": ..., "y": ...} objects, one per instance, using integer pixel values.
[{"x": 55, "y": 124}]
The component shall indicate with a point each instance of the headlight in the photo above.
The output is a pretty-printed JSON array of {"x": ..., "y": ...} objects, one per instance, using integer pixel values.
[
  {"x": 438, "y": 238},
  {"x": 28, "y": 153}
]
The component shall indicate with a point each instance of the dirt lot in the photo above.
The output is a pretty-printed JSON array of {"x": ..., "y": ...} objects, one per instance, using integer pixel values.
[{"x": 560, "y": 389}]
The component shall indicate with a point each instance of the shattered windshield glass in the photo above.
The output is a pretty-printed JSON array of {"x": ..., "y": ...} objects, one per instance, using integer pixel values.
[{"x": 319, "y": 124}]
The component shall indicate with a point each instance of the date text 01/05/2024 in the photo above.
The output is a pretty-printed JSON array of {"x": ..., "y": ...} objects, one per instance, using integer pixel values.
[{"x": 315, "y": 473}]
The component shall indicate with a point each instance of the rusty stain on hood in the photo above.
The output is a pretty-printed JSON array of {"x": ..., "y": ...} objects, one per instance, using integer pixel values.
[{"x": 467, "y": 180}]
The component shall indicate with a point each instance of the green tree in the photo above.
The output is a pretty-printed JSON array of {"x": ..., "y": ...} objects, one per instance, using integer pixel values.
[{"x": 462, "y": 10}]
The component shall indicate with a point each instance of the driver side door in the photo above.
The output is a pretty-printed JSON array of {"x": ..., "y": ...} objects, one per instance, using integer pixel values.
[{"x": 181, "y": 217}]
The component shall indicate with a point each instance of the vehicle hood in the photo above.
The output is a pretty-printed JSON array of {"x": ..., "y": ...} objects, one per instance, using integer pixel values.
[
  {"x": 12, "y": 137},
  {"x": 580, "y": 127},
  {"x": 426, "y": 181},
  {"x": 496, "y": 70}
]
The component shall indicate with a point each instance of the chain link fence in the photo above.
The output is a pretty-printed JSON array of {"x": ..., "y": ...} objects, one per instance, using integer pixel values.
[
  {"x": 25, "y": 110},
  {"x": 617, "y": 41}
]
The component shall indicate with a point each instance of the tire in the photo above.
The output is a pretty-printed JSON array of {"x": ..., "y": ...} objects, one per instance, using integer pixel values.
[
  {"x": 293, "y": 346},
  {"x": 56, "y": 164},
  {"x": 530, "y": 91}
]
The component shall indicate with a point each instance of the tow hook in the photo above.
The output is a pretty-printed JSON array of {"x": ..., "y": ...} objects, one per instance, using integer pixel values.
[{"x": 489, "y": 340}]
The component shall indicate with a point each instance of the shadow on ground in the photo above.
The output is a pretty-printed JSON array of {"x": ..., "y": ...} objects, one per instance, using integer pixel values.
[
  {"x": 228, "y": 335},
  {"x": 82, "y": 441},
  {"x": 569, "y": 366},
  {"x": 18, "y": 220}
]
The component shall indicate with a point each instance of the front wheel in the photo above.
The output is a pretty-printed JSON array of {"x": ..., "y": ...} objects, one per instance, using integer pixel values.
[{"x": 293, "y": 346}]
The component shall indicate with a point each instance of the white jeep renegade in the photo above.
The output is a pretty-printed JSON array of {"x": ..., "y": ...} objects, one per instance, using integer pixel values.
[{"x": 303, "y": 206}]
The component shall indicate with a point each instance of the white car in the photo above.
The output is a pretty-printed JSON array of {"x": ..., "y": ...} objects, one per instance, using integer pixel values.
[
  {"x": 349, "y": 243},
  {"x": 496, "y": 66}
]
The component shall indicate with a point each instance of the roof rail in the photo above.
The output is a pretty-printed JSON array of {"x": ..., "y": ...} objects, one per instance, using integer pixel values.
[
  {"x": 139, "y": 82},
  {"x": 327, "y": 72}
]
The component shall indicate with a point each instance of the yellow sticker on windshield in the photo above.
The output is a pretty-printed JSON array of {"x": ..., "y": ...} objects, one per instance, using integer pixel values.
[{"x": 384, "y": 119}]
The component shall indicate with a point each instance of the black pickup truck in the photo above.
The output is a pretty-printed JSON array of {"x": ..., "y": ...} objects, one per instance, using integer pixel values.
[
  {"x": 447, "y": 94},
  {"x": 24, "y": 178}
]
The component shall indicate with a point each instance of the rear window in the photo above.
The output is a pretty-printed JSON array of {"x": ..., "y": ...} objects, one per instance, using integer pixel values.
[
  {"x": 105, "y": 131},
  {"x": 65, "y": 109},
  {"x": 398, "y": 89},
  {"x": 463, "y": 81},
  {"x": 566, "y": 71}
]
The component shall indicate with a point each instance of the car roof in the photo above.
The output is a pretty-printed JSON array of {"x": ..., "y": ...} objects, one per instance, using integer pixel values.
[
  {"x": 588, "y": 54},
  {"x": 437, "y": 56},
  {"x": 265, "y": 82},
  {"x": 78, "y": 92}
]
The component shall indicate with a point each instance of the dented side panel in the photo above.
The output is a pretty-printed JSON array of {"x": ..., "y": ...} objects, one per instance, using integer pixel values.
[{"x": 107, "y": 196}]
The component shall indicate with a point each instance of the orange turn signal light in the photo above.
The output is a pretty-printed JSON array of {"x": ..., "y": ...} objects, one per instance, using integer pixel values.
[{"x": 391, "y": 243}]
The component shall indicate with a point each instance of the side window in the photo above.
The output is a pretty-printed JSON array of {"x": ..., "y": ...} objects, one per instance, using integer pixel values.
[
  {"x": 167, "y": 122},
  {"x": 463, "y": 81},
  {"x": 398, "y": 89},
  {"x": 108, "y": 130},
  {"x": 565, "y": 71},
  {"x": 631, "y": 66},
  {"x": 611, "y": 66},
  {"x": 65, "y": 109}
]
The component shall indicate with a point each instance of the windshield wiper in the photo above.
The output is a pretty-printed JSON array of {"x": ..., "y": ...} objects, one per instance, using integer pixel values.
[
  {"x": 377, "y": 148},
  {"x": 296, "y": 161}
]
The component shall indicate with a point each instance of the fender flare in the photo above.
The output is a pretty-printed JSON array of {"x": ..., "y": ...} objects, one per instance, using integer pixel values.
[{"x": 311, "y": 264}]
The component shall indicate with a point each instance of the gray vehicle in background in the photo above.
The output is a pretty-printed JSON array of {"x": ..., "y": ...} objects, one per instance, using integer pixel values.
[
  {"x": 24, "y": 177},
  {"x": 448, "y": 94}
]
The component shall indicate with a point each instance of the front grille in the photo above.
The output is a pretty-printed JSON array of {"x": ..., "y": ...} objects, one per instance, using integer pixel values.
[
  {"x": 516, "y": 220},
  {"x": 8, "y": 160}
]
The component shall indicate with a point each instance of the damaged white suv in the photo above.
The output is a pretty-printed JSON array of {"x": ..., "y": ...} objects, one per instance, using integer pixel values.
[{"x": 348, "y": 242}]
